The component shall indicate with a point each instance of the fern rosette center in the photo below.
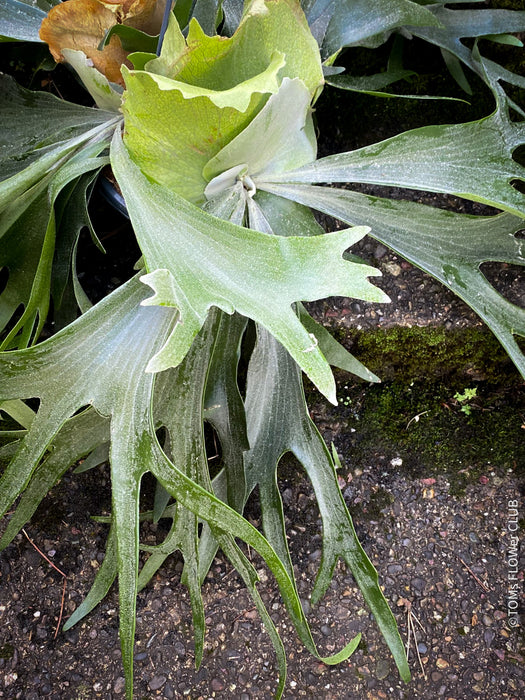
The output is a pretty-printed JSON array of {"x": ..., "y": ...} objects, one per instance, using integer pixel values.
[{"x": 186, "y": 106}]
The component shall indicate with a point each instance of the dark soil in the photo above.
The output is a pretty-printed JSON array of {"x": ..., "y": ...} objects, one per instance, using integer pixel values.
[{"x": 443, "y": 559}]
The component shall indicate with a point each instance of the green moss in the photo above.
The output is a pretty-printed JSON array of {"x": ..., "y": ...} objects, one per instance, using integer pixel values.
[
  {"x": 363, "y": 647},
  {"x": 421, "y": 423},
  {"x": 7, "y": 651},
  {"x": 413, "y": 412},
  {"x": 408, "y": 354}
]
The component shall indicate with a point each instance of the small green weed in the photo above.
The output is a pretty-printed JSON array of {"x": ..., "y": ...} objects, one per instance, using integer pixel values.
[{"x": 465, "y": 400}]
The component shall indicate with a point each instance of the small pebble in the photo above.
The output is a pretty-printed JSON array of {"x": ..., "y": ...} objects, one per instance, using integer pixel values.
[
  {"x": 217, "y": 684},
  {"x": 394, "y": 568},
  {"x": 382, "y": 669},
  {"x": 418, "y": 584},
  {"x": 179, "y": 649},
  {"x": 315, "y": 556},
  {"x": 349, "y": 492},
  {"x": 488, "y": 636},
  {"x": 393, "y": 268},
  {"x": 380, "y": 251},
  {"x": 232, "y": 655},
  {"x": 9, "y": 679},
  {"x": 119, "y": 685},
  {"x": 72, "y": 635},
  {"x": 157, "y": 682},
  {"x": 287, "y": 496},
  {"x": 306, "y": 606}
]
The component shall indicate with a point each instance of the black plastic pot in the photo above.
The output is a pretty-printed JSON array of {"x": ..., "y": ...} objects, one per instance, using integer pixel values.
[{"x": 110, "y": 193}]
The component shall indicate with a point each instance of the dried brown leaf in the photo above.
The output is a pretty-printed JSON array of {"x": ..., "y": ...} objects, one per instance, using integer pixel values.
[{"x": 82, "y": 25}]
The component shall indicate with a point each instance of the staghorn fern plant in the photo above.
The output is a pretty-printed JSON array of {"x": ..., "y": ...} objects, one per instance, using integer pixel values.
[{"x": 212, "y": 142}]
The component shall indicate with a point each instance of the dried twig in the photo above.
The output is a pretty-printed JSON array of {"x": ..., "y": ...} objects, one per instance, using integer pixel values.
[
  {"x": 411, "y": 628},
  {"x": 476, "y": 579},
  {"x": 416, "y": 418},
  {"x": 62, "y": 602}
]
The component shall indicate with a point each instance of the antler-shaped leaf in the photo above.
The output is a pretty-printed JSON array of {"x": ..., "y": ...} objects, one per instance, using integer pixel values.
[
  {"x": 336, "y": 24},
  {"x": 449, "y": 246},
  {"x": 198, "y": 261},
  {"x": 46, "y": 148},
  {"x": 278, "y": 422},
  {"x": 472, "y": 160},
  {"x": 455, "y": 25},
  {"x": 100, "y": 360}
]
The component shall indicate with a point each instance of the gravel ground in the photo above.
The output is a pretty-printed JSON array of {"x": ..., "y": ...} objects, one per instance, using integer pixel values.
[{"x": 445, "y": 568}]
